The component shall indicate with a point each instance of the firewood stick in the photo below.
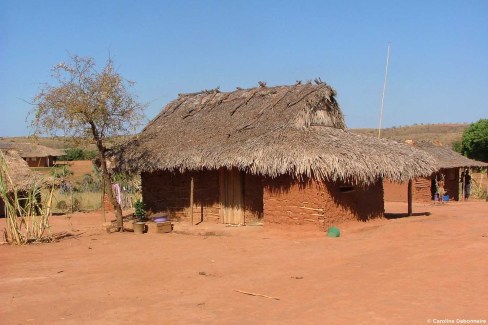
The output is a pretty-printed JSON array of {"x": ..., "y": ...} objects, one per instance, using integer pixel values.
[{"x": 256, "y": 294}]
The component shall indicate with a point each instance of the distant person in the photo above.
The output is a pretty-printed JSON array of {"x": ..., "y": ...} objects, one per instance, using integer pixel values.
[
  {"x": 440, "y": 189},
  {"x": 467, "y": 184}
]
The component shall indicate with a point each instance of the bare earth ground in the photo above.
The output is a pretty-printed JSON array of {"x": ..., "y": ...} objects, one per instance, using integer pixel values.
[{"x": 397, "y": 271}]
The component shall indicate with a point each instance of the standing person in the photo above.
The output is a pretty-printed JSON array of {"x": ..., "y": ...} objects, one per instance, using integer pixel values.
[
  {"x": 467, "y": 184},
  {"x": 440, "y": 188}
]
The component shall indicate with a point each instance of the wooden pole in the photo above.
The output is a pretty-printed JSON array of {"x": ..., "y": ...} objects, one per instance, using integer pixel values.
[
  {"x": 384, "y": 89},
  {"x": 201, "y": 213},
  {"x": 191, "y": 199},
  {"x": 103, "y": 199},
  {"x": 410, "y": 195},
  {"x": 462, "y": 185}
]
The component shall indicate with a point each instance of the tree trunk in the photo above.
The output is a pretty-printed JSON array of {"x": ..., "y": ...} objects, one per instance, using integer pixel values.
[
  {"x": 110, "y": 194},
  {"x": 106, "y": 175}
]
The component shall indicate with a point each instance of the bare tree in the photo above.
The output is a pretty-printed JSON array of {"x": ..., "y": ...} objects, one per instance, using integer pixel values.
[{"x": 87, "y": 104}]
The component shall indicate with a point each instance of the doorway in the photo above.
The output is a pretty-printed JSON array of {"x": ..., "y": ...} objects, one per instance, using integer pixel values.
[{"x": 231, "y": 196}]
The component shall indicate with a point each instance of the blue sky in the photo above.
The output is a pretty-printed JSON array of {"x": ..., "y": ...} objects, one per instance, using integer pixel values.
[{"x": 438, "y": 69}]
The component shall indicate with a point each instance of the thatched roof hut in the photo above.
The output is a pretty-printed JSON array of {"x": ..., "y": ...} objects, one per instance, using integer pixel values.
[
  {"x": 36, "y": 155},
  {"x": 450, "y": 165},
  {"x": 297, "y": 130},
  {"x": 446, "y": 157},
  {"x": 278, "y": 154},
  {"x": 22, "y": 176},
  {"x": 31, "y": 150}
]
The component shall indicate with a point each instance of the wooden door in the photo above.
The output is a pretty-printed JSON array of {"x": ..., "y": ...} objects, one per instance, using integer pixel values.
[{"x": 231, "y": 196}]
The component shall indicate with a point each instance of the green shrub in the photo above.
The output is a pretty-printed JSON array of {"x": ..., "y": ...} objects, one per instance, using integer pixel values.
[{"x": 78, "y": 154}]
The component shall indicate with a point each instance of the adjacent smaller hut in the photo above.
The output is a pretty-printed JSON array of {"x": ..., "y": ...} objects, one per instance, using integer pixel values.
[
  {"x": 34, "y": 154},
  {"x": 23, "y": 178},
  {"x": 450, "y": 165}
]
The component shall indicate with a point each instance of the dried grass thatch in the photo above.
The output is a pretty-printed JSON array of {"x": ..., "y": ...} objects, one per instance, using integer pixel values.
[
  {"x": 31, "y": 150},
  {"x": 22, "y": 176},
  {"x": 297, "y": 130},
  {"x": 446, "y": 157}
]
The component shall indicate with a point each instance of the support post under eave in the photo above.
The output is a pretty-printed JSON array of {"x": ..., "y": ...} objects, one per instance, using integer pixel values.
[
  {"x": 191, "y": 199},
  {"x": 410, "y": 195}
]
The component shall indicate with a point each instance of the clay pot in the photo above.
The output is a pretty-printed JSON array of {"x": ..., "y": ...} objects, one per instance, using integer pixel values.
[{"x": 139, "y": 227}]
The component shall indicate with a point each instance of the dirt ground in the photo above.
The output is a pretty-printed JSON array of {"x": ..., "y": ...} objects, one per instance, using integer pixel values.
[{"x": 396, "y": 271}]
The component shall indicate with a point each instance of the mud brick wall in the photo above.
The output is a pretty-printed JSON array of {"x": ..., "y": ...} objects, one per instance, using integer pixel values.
[
  {"x": 168, "y": 193},
  {"x": 317, "y": 204},
  {"x": 395, "y": 192},
  {"x": 107, "y": 205},
  {"x": 38, "y": 162},
  {"x": 398, "y": 192},
  {"x": 421, "y": 189}
]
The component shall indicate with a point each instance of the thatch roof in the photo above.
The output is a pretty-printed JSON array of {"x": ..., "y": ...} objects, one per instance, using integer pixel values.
[
  {"x": 31, "y": 150},
  {"x": 446, "y": 157},
  {"x": 22, "y": 176},
  {"x": 297, "y": 130}
]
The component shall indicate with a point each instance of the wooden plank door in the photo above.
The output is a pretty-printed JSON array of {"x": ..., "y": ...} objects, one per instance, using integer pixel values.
[{"x": 231, "y": 196}]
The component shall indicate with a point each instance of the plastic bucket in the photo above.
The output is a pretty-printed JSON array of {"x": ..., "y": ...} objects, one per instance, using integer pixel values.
[{"x": 333, "y": 232}]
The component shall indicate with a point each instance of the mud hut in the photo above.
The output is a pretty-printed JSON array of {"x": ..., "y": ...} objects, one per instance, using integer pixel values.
[
  {"x": 450, "y": 165},
  {"x": 266, "y": 154},
  {"x": 34, "y": 154},
  {"x": 21, "y": 175}
]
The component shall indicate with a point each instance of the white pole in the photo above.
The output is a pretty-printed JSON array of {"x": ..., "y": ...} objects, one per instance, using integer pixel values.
[{"x": 384, "y": 89}]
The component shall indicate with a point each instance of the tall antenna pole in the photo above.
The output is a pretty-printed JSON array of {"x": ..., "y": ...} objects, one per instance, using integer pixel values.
[{"x": 384, "y": 89}]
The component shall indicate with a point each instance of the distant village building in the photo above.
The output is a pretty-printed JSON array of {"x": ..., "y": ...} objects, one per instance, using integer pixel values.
[
  {"x": 278, "y": 155},
  {"x": 450, "y": 167},
  {"x": 35, "y": 155}
]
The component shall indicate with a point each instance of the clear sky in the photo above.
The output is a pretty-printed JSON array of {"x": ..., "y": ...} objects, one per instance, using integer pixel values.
[{"x": 438, "y": 70}]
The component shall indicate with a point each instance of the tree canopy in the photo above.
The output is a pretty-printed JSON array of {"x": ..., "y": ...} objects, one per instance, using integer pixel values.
[
  {"x": 83, "y": 101},
  {"x": 475, "y": 141},
  {"x": 88, "y": 104}
]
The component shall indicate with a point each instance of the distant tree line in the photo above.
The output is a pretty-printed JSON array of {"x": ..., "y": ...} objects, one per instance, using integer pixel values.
[{"x": 78, "y": 154}]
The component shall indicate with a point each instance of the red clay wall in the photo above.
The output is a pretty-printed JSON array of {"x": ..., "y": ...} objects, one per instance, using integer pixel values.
[
  {"x": 422, "y": 189},
  {"x": 40, "y": 162},
  {"x": 395, "y": 192},
  {"x": 280, "y": 200},
  {"x": 398, "y": 192},
  {"x": 107, "y": 205},
  {"x": 321, "y": 205}
]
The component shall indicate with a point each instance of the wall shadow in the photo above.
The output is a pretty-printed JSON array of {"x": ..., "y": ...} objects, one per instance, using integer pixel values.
[
  {"x": 168, "y": 193},
  {"x": 340, "y": 199}
]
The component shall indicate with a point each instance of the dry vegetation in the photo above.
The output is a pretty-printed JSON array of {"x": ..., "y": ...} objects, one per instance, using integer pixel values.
[
  {"x": 27, "y": 217},
  {"x": 443, "y": 133}
]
